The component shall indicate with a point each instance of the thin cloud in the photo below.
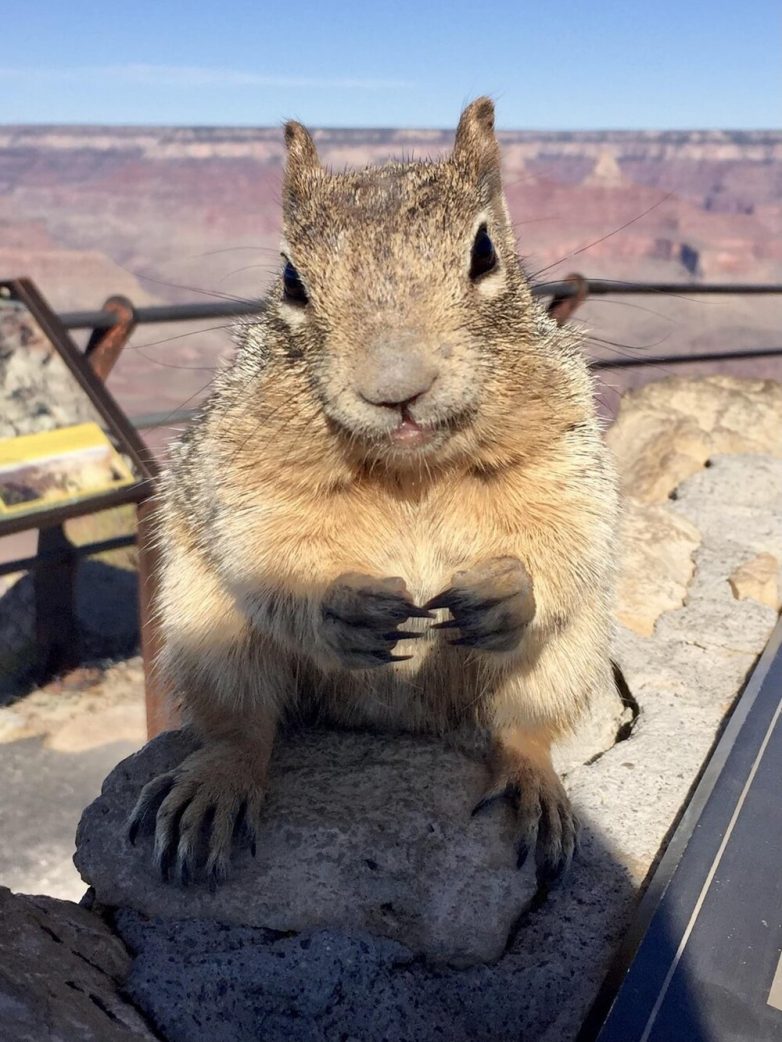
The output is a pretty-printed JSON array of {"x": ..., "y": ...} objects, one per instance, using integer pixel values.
[{"x": 197, "y": 76}]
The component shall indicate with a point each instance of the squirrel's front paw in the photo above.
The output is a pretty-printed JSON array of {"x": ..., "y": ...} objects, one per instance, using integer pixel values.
[
  {"x": 359, "y": 619},
  {"x": 491, "y": 604},
  {"x": 198, "y": 809}
]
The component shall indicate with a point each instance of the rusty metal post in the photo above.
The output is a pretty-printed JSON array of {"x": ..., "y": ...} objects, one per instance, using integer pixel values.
[
  {"x": 562, "y": 308},
  {"x": 162, "y": 713},
  {"x": 105, "y": 345}
]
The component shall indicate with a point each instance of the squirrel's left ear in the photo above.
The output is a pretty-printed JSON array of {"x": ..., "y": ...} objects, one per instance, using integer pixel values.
[
  {"x": 476, "y": 148},
  {"x": 302, "y": 160},
  {"x": 301, "y": 148}
]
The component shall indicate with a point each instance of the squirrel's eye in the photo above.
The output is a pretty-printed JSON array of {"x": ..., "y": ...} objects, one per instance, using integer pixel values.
[
  {"x": 293, "y": 287},
  {"x": 483, "y": 257}
]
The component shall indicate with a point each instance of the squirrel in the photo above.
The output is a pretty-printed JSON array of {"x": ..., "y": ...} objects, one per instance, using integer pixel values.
[{"x": 404, "y": 435}]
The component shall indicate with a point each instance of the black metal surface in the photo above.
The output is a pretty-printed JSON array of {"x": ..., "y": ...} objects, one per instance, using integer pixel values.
[
  {"x": 698, "y": 962},
  {"x": 666, "y": 360},
  {"x": 65, "y": 511}
]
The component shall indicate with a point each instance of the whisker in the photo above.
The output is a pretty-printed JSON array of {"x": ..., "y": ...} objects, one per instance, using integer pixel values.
[
  {"x": 608, "y": 235},
  {"x": 234, "y": 249},
  {"x": 635, "y": 307},
  {"x": 178, "y": 336},
  {"x": 247, "y": 267},
  {"x": 190, "y": 289},
  {"x": 175, "y": 365}
]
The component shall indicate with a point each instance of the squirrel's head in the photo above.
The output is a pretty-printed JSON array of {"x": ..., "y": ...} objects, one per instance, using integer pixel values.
[{"x": 402, "y": 295}]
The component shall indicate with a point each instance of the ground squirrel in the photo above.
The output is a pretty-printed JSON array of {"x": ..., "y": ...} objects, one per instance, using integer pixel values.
[{"x": 404, "y": 432}]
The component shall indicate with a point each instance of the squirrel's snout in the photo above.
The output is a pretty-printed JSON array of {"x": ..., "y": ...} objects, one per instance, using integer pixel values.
[{"x": 394, "y": 379}]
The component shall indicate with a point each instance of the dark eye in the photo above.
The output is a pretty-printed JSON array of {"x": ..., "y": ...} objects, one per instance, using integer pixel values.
[
  {"x": 293, "y": 287},
  {"x": 483, "y": 257}
]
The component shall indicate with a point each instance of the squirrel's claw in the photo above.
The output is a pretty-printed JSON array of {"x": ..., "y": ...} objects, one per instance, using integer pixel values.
[
  {"x": 359, "y": 616},
  {"x": 199, "y": 809},
  {"x": 150, "y": 798},
  {"x": 546, "y": 822},
  {"x": 491, "y": 604}
]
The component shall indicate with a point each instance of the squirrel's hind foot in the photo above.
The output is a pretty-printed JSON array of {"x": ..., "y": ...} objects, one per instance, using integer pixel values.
[
  {"x": 199, "y": 809},
  {"x": 545, "y": 818}
]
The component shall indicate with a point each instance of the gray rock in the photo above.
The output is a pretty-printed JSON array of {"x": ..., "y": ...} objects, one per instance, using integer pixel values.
[
  {"x": 61, "y": 971},
  {"x": 606, "y": 718},
  {"x": 359, "y": 832},
  {"x": 205, "y": 982}
]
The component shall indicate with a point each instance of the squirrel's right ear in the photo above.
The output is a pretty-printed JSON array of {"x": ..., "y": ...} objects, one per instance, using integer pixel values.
[{"x": 476, "y": 147}]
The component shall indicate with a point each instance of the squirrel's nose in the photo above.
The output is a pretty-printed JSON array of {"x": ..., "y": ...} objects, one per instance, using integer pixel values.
[{"x": 395, "y": 380}]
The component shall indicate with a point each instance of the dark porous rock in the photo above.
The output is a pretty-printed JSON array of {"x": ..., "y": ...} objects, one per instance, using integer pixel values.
[
  {"x": 203, "y": 981},
  {"x": 61, "y": 970},
  {"x": 360, "y": 833}
]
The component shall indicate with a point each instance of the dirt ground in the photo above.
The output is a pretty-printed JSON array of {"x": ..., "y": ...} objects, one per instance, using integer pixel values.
[{"x": 57, "y": 744}]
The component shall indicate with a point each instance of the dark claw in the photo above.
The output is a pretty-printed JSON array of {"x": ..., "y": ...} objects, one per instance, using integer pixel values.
[
  {"x": 442, "y": 600},
  {"x": 373, "y": 659},
  {"x": 165, "y": 865},
  {"x": 402, "y": 635},
  {"x": 550, "y": 872},
  {"x": 522, "y": 853},
  {"x": 382, "y": 657},
  {"x": 184, "y": 874},
  {"x": 253, "y": 848},
  {"x": 240, "y": 821},
  {"x": 215, "y": 876},
  {"x": 449, "y": 624},
  {"x": 414, "y": 612},
  {"x": 509, "y": 793},
  {"x": 486, "y": 801},
  {"x": 133, "y": 832}
]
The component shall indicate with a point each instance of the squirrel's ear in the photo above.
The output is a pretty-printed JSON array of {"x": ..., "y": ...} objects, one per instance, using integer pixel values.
[
  {"x": 302, "y": 154},
  {"x": 302, "y": 162},
  {"x": 476, "y": 147}
]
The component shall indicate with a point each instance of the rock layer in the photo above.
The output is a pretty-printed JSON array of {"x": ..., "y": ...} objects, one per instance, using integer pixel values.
[
  {"x": 359, "y": 832},
  {"x": 61, "y": 970}
]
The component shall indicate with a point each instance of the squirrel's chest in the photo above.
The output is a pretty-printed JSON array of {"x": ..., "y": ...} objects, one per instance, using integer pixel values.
[{"x": 425, "y": 548}]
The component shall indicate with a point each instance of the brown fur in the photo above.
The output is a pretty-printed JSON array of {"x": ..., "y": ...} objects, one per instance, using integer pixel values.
[{"x": 291, "y": 479}]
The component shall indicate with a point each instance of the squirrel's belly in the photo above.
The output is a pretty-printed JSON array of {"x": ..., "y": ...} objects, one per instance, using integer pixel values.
[{"x": 432, "y": 691}]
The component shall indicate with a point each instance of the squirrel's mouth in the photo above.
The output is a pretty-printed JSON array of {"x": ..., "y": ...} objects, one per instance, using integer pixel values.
[
  {"x": 402, "y": 435},
  {"x": 409, "y": 434}
]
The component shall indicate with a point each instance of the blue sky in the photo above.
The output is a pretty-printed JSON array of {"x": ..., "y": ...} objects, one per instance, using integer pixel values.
[{"x": 549, "y": 64}]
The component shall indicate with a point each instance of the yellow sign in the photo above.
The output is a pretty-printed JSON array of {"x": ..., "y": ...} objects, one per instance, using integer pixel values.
[{"x": 50, "y": 468}]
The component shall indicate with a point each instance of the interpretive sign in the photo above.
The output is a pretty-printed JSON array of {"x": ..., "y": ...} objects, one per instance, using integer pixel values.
[{"x": 66, "y": 448}]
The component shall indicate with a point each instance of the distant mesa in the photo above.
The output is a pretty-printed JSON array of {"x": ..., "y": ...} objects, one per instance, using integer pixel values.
[{"x": 606, "y": 171}]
